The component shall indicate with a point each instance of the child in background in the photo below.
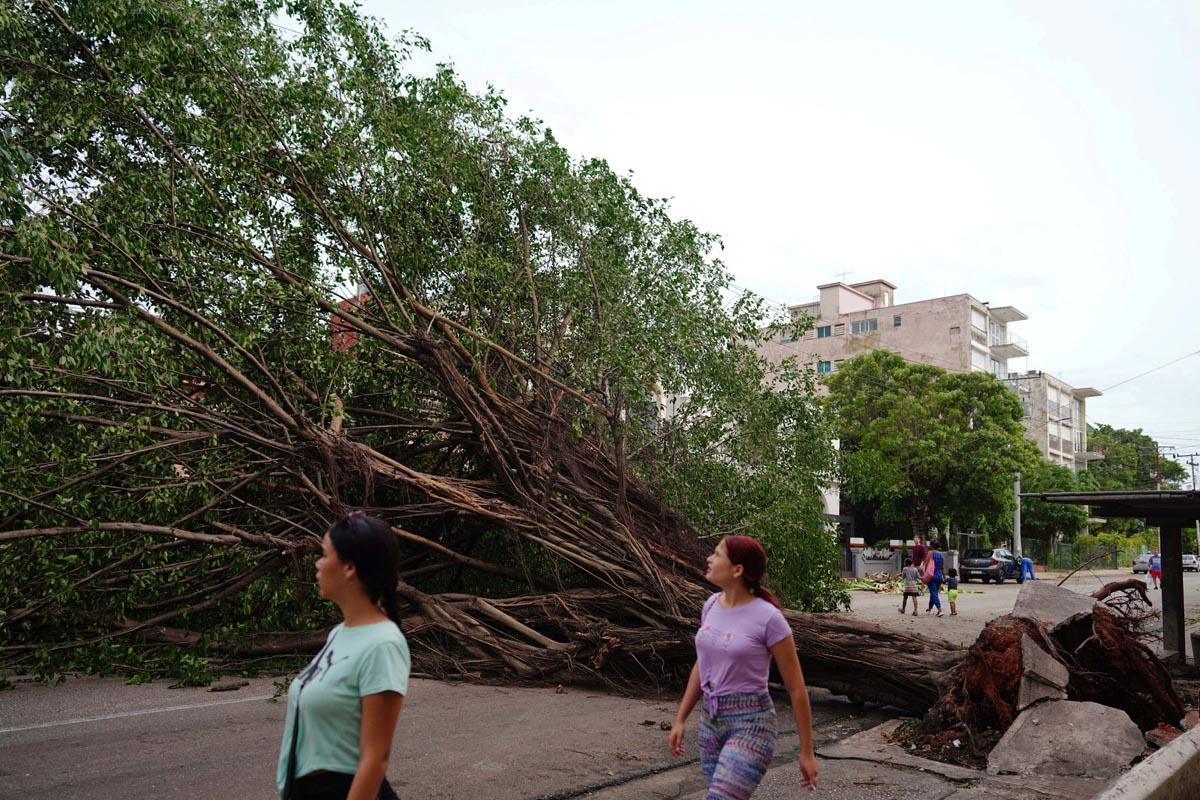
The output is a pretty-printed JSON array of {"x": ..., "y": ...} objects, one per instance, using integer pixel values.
[
  {"x": 952, "y": 591},
  {"x": 912, "y": 586}
]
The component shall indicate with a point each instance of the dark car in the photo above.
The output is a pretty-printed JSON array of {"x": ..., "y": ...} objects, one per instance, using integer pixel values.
[{"x": 994, "y": 564}]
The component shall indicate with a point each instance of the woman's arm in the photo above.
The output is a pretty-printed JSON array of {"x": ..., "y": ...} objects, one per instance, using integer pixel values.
[
  {"x": 690, "y": 695},
  {"x": 379, "y": 714},
  {"x": 784, "y": 653}
]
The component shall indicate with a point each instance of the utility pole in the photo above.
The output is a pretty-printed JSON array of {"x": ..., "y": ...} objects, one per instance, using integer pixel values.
[
  {"x": 1193, "y": 463},
  {"x": 1017, "y": 516}
]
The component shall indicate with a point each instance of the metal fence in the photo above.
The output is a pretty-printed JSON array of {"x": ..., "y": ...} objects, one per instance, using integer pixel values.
[{"x": 1068, "y": 556}]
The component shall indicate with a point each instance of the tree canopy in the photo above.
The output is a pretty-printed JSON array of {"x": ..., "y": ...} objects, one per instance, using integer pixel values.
[
  {"x": 925, "y": 445},
  {"x": 254, "y": 275},
  {"x": 1131, "y": 460}
]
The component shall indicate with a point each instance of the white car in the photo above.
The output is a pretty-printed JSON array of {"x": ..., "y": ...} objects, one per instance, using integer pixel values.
[{"x": 1191, "y": 562}]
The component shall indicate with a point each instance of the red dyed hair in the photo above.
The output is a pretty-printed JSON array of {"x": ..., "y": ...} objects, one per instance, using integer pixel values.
[{"x": 747, "y": 553}]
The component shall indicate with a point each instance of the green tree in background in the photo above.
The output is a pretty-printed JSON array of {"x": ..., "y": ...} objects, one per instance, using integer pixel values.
[
  {"x": 1047, "y": 522},
  {"x": 925, "y": 445},
  {"x": 1130, "y": 460}
]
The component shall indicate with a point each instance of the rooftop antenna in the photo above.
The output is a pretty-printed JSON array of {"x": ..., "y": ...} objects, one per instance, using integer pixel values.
[{"x": 844, "y": 274}]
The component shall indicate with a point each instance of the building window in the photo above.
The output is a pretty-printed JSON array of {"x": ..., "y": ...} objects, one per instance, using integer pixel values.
[
  {"x": 824, "y": 331},
  {"x": 863, "y": 326},
  {"x": 896, "y": 321},
  {"x": 824, "y": 366},
  {"x": 996, "y": 368}
]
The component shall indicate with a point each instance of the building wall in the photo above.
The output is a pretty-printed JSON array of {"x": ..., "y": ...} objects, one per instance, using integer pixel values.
[
  {"x": 948, "y": 332},
  {"x": 1055, "y": 417}
]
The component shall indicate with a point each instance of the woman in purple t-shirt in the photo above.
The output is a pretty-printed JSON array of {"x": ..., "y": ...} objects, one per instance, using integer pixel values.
[{"x": 741, "y": 630}]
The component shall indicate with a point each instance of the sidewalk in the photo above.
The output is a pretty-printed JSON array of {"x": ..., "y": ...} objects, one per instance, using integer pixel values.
[{"x": 864, "y": 766}]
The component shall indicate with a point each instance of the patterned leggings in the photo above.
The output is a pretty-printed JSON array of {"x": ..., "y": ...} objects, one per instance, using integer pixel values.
[{"x": 736, "y": 743}]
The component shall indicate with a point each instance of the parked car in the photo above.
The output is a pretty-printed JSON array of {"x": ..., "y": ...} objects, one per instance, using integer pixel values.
[
  {"x": 995, "y": 564},
  {"x": 1191, "y": 561},
  {"x": 1141, "y": 564}
]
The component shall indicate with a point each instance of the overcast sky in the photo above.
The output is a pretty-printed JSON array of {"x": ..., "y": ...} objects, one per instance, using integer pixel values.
[{"x": 1038, "y": 154}]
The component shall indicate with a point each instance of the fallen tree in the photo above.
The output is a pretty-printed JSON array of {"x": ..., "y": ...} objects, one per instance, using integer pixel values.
[{"x": 253, "y": 279}]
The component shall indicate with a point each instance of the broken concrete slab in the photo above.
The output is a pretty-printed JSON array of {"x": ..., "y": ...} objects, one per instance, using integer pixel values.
[
  {"x": 1037, "y": 663},
  {"x": 1065, "y": 737},
  {"x": 1043, "y": 676},
  {"x": 1042, "y": 601},
  {"x": 873, "y": 745},
  {"x": 1034, "y": 691}
]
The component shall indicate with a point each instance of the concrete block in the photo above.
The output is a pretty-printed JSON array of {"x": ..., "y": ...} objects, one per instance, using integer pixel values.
[
  {"x": 1042, "y": 601},
  {"x": 1032, "y": 691},
  {"x": 1041, "y": 666},
  {"x": 1069, "y": 738}
]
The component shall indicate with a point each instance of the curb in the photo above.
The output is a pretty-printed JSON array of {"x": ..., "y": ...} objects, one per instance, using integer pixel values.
[{"x": 1172, "y": 773}]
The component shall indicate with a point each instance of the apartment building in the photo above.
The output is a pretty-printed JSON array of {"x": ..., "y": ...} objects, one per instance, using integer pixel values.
[
  {"x": 1055, "y": 416},
  {"x": 958, "y": 333}
]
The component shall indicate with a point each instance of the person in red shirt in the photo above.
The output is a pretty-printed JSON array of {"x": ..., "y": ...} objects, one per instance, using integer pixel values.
[{"x": 919, "y": 552}]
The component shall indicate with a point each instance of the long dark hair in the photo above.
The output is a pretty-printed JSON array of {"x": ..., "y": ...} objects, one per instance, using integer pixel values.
[
  {"x": 369, "y": 544},
  {"x": 747, "y": 553}
]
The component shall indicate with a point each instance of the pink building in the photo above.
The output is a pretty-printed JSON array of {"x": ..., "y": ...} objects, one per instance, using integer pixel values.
[{"x": 958, "y": 333}]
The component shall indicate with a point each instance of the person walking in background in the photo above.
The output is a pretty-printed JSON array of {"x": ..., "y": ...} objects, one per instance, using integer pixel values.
[
  {"x": 952, "y": 591},
  {"x": 912, "y": 584},
  {"x": 919, "y": 552},
  {"x": 741, "y": 630},
  {"x": 1027, "y": 569},
  {"x": 343, "y": 708},
  {"x": 1156, "y": 568},
  {"x": 934, "y": 561}
]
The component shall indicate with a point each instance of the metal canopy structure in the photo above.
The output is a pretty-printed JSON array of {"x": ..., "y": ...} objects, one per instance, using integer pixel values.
[{"x": 1170, "y": 512}]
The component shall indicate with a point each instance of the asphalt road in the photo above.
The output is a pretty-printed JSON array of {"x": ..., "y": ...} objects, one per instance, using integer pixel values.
[
  {"x": 97, "y": 738},
  {"x": 981, "y": 602}
]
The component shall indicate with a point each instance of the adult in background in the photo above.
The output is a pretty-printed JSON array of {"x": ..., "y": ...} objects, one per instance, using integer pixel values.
[
  {"x": 1027, "y": 569},
  {"x": 919, "y": 553},
  {"x": 1156, "y": 568},
  {"x": 741, "y": 630},
  {"x": 934, "y": 561},
  {"x": 343, "y": 708}
]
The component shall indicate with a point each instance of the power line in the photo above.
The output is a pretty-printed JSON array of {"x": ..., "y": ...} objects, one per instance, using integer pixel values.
[{"x": 1147, "y": 372}]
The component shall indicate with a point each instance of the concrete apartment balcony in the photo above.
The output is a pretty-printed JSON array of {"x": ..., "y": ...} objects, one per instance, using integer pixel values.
[
  {"x": 1006, "y": 314},
  {"x": 1092, "y": 453},
  {"x": 1013, "y": 347}
]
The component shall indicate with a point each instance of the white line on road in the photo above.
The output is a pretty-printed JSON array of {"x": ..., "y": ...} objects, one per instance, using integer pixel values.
[{"x": 120, "y": 714}]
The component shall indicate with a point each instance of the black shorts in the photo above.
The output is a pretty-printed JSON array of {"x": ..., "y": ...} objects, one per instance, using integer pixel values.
[{"x": 332, "y": 786}]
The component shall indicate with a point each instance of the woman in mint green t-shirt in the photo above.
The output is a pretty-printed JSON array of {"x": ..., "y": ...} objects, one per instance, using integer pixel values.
[{"x": 343, "y": 708}]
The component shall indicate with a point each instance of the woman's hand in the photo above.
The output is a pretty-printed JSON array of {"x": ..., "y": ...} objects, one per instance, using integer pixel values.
[
  {"x": 675, "y": 739},
  {"x": 808, "y": 770}
]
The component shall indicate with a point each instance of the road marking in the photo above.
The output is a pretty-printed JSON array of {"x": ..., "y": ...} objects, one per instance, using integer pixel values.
[{"x": 120, "y": 714}]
